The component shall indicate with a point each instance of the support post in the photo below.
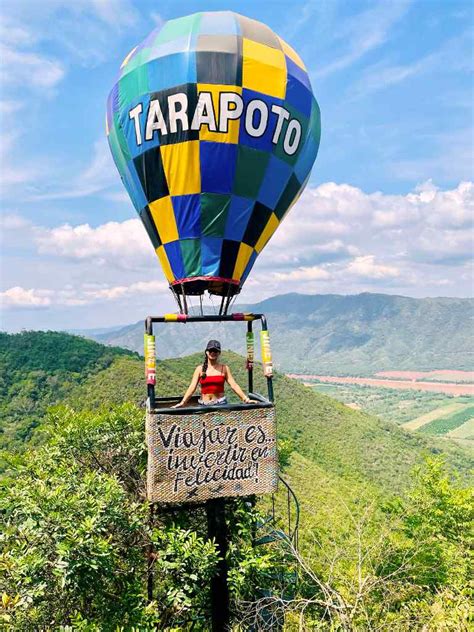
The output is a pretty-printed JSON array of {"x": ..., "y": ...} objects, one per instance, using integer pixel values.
[
  {"x": 150, "y": 560},
  {"x": 217, "y": 531},
  {"x": 267, "y": 357},
  {"x": 250, "y": 355}
]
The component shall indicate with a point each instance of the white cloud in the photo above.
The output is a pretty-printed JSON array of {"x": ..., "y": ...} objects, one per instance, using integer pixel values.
[
  {"x": 29, "y": 69},
  {"x": 10, "y": 107},
  {"x": 415, "y": 243},
  {"x": 123, "y": 244},
  {"x": 20, "y": 297},
  {"x": 85, "y": 31},
  {"x": 365, "y": 219},
  {"x": 367, "y": 268},
  {"x": 11, "y": 221},
  {"x": 31, "y": 298},
  {"x": 313, "y": 273}
]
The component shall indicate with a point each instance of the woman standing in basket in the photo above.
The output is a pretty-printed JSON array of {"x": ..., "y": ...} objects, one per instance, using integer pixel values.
[{"x": 212, "y": 376}]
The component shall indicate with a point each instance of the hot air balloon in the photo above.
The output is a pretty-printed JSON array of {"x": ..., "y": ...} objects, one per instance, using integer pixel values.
[{"x": 214, "y": 128}]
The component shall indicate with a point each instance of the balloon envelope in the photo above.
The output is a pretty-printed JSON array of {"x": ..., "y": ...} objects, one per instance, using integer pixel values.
[{"x": 214, "y": 129}]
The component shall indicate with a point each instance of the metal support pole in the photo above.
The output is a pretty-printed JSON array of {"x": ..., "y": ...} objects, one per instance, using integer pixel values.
[
  {"x": 185, "y": 303},
  {"x": 150, "y": 561},
  {"x": 217, "y": 531},
  {"x": 250, "y": 368},
  {"x": 269, "y": 377}
]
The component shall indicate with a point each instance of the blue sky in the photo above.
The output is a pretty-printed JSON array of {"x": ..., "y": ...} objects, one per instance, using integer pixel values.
[{"x": 388, "y": 207}]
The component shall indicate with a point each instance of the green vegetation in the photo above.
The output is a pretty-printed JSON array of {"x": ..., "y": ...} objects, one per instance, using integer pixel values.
[
  {"x": 38, "y": 369},
  {"x": 444, "y": 425},
  {"x": 77, "y": 532},
  {"x": 381, "y": 547},
  {"x": 77, "y": 538}
]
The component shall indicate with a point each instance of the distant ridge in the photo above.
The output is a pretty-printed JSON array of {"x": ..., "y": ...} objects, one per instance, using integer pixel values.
[{"x": 335, "y": 334}]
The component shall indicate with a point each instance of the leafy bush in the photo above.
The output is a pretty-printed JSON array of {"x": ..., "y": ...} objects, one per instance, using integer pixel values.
[{"x": 78, "y": 538}]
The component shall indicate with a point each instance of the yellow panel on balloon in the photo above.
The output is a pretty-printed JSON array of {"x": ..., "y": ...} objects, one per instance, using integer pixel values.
[
  {"x": 268, "y": 231},
  {"x": 292, "y": 54},
  {"x": 165, "y": 222},
  {"x": 165, "y": 264},
  {"x": 182, "y": 167},
  {"x": 243, "y": 257},
  {"x": 263, "y": 69},
  {"x": 233, "y": 126}
]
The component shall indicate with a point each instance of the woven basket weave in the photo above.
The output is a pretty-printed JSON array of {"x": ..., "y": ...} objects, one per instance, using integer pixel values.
[{"x": 201, "y": 454}]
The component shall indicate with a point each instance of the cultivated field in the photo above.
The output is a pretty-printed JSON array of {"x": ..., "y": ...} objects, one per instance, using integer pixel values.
[
  {"x": 443, "y": 411},
  {"x": 434, "y": 408},
  {"x": 466, "y": 431},
  {"x": 435, "y": 387},
  {"x": 439, "y": 376}
]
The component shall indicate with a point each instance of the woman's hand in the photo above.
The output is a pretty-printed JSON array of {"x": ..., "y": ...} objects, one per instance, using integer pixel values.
[
  {"x": 246, "y": 400},
  {"x": 178, "y": 405}
]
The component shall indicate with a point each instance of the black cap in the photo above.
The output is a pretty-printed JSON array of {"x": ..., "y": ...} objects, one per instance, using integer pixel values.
[{"x": 213, "y": 344}]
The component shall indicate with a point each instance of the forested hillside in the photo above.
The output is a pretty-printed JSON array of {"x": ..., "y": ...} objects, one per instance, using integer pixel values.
[
  {"x": 377, "y": 544},
  {"x": 38, "y": 369},
  {"x": 343, "y": 335}
]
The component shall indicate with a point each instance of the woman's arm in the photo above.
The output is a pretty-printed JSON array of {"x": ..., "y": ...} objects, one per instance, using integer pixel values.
[
  {"x": 234, "y": 386},
  {"x": 191, "y": 388}
]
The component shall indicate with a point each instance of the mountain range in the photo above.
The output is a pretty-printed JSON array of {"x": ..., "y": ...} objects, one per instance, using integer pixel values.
[{"x": 333, "y": 334}]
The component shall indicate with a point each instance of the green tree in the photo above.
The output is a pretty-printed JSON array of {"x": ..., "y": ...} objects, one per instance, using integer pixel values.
[{"x": 78, "y": 541}]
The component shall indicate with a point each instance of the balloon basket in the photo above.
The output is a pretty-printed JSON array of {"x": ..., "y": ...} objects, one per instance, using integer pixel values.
[{"x": 199, "y": 453}]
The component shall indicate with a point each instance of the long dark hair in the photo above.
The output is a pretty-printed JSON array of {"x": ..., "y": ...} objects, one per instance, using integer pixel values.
[{"x": 204, "y": 366}]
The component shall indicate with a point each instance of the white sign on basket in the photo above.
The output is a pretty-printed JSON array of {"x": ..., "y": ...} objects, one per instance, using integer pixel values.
[{"x": 199, "y": 456}]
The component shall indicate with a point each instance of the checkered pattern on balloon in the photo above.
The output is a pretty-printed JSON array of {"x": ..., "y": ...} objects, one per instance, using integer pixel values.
[{"x": 214, "y": 129}]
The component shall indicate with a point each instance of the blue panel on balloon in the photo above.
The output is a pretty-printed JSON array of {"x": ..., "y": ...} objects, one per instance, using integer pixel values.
[
  {"x": 211, "y": 255},
  {"x": 295, "y": 71},
  {"x": 298, "y": 96},
  {"x": 172, "y": 70},
  {"x": 177, "y": 45},
  {"x": 218, "y": 162},
  {"x": 173, "y": 252},
  {"x": 263, "y": 142},
  {"x": 112, "y": 105},
  {"x": 276, "y": 176},
  {"x": 238, "y": 217},
  {"x": 134, "y": 187},
  {"x": 306, "y": 158},
  {"x": 128, "y": 126},
  {"x": 187, "y": 212},
  {"x": 219, "y": 23}
]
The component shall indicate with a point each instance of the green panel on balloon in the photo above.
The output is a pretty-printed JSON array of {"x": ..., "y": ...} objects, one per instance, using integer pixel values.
[
  {"x": 120, "y": 137},
  {"x": 315, "y": 122},
  {"x": 138, "y": 59},
  {"x": 250, "y": 171},
  {"x": 182, "y": 27},
  {"x": 133, "y": 85},
  {"x": 119, "y": 157},
  {"x": 214, "y": 209},
  {"x": 191, "y": 252}
]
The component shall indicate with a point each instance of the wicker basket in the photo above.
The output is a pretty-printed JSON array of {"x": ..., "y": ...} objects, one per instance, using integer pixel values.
[{"x": 195, "y": 454}]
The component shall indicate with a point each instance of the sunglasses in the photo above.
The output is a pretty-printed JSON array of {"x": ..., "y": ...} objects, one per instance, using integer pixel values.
[{"x": 214, "y": 350}]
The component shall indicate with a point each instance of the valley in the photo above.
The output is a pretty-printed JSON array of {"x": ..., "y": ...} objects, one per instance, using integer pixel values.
[{"x": 442, "y": 409}]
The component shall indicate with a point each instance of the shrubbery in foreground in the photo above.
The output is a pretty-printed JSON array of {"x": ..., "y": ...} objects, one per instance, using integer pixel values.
[{"x": 73, "y": 549}]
